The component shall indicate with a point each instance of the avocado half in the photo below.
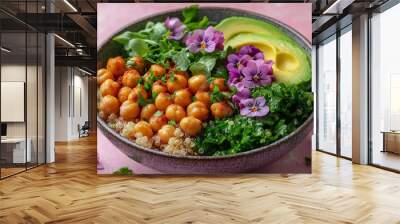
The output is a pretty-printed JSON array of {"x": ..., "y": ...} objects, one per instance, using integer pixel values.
[{"x": 291, "y": 62}]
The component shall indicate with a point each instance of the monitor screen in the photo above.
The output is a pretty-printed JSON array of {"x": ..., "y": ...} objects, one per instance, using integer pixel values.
[{"x": 3, "y": 129}]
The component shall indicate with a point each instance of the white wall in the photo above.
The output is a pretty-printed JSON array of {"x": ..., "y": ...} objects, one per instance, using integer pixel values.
[{"x": 71, "y": 94}]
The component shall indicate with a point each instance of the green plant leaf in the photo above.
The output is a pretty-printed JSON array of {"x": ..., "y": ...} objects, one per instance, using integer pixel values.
[
  {"x": 181, "y": 60},
  {"x": 137, "y": 47},
  {"x": 190, "y": 13}
]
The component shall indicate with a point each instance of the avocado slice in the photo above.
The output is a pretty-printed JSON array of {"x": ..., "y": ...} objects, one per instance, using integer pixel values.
[
  {"x": 236, "y": 25},
  {"x": 291, "y": 62}
]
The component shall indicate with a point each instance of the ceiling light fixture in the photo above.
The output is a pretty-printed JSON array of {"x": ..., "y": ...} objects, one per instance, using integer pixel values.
[
  {"x": 5, "y": 50},
  {"x": 84, "y": 71},
  {"x": 70, "y": 5},
  {"x": 64, "y": 40},
  {"x": 337, "y": 7}
]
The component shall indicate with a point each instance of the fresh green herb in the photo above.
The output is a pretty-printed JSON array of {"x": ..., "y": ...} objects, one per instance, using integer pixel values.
[
  {"x": 216, "y": 95},
  {"x": 172, "y": 122},
  {"x": 172, "y": 76},
  {"x": 190, "y": 13},
  {"x": 290, "y": 106},
  {"x": 181, "y": 60},
  {"x": 124, "y": 171},
  {"x": 158, "y": 113}
]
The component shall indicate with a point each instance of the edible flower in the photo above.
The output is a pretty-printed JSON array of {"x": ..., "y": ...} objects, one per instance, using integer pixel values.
[
  {"x": 254, "y": 107},
  {"x": 241, "y": 94},
  {"x": 176, "y": 28},
  {"x": 252, "y": 52},
  {"x": 207, "y": 40},
  {"x": 235, "y": 63},
  {"x": 257, "y": 73}
]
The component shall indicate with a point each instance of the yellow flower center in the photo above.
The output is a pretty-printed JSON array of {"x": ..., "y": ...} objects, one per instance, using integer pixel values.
[
  {"x": 203, "y": 45},
  {"x": 254, "y": 109}
]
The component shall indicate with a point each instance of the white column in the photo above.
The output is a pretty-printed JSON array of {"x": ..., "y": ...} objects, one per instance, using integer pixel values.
[{"x": 360, "y": 90}]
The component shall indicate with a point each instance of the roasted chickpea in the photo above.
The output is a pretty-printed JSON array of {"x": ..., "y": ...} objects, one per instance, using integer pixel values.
[
  {"x": 175, "y": 112},
  {"x": 157, "y": 121},
  {"x": 157, "y": 70},
  {"x": 116, "y": 66},
  {"x": 144, "y": 128},
  {"x": 203, "y": 97},
  {"x": 130, "y": 78},
  {"x": 109, "y": 105},
  {"x": 158, "y": 87},
  {"x": 102, "y": 75},
  {"x": 198, "y": 110},
  {"x": 183, "y": 97},
  {"x": 138, "y": 91},
  {"x": 178, "y": 82},
  {"x": 220, "y": 82},
  {"x": 182, "y": 73},
  {"x": 124, "y": 93},
  {"x": 136, "y": 62},
  {"x": 165, "y": 133},
  {"x": 109, "y": 87},
  {"x": 190, "y": 125},
  {"x": 198, "y": 83},
  {"x": 221, "y": 110},
  {"x": 148, "y": 111},
  {"x": 163, "y": 100},
  {"x": 129, "y": 110}
]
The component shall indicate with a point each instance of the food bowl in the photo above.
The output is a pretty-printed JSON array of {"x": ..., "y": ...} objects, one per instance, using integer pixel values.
[{"x": 238, "y": 163}]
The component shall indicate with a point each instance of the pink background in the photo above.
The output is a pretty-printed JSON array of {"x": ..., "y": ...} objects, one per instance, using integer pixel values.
[{"x": 112, "y": 17}]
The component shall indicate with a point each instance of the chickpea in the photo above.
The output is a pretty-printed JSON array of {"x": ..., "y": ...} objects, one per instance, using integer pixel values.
[
  {"x": 116, "y": 66},
  {"x": 159, "y": 87},
  {"x": 144, "y": 128},
  {"x": 198, "y": 110},
  {"x": 198, "y": 83},
  {"x": 175, "y": 112},
  {"x": 136, "y": 92},
  {"x": 109, "y": 105},
  {"x": 148, "y": 111},
  {"x": 124, "y": 93},
  {"x": 220, "y": 82},
  {"x": 203, "y": 97},
  {"x": 183, "y": 97},
  {"x": 190, "y": 125},
  {"x": 157, "y": 121},
  {"x": 129, "y": 110},
  {"x": 165, "y": 133},
  {"x": 109, "y": 87},
  {"x": 130, "y": 78},
  {"x": 182, "y": 73},
  {"x": 221, "y": 110},
  {"x": 136, "y": 62},
  {"x": 157, "y": 70},
  {"x": 163, "y": 100},
  {"x": 177, "y": 83},
  {"x": 102, "y": 75}
]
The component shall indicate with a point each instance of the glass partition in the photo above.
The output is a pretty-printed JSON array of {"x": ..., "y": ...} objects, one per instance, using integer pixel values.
[
  {"x": 327, "y": 96},
  {"x": 346, "y": 92},
  {"x": 385, "y": 90},
  {"x": 22, "y": 92}
]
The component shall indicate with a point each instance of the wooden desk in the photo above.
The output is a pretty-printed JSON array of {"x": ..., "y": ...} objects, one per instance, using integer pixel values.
[{"x": 391, "y": 141}]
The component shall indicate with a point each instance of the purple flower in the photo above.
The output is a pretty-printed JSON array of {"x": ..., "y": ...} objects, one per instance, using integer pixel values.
[
  {"x": 241, "y": 94},
  {"x": 253, "y": 52},
  {"x": 207, "y": 40},
  {"x": 236, "y": 63},
  {"x": 176, "y": 28},
  {"x": 257, "y": 73},
  {"x": 254, "y": 107}
]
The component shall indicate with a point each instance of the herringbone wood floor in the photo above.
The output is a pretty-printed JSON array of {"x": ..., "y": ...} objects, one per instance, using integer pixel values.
[{"x": 69, "y": 191}]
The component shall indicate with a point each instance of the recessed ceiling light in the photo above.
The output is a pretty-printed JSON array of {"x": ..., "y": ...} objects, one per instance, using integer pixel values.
[
  {"x": 5, "y": 50},
  {"x": 64, "y": 40},
  {"x": 70, "y": 5}
]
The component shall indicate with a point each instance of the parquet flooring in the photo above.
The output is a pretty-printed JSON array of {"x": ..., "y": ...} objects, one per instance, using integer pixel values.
[{"x": 69, "y": 191}]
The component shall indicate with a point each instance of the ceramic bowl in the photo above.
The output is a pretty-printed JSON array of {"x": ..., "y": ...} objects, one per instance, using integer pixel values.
[{"x": 174, "y": 164}]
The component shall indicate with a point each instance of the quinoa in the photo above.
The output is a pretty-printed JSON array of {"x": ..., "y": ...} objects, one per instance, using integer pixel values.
[{"x": 180, "y": 144}]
